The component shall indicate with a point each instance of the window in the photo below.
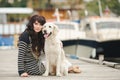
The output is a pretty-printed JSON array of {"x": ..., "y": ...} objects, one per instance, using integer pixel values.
[
  {"x": 65, "y": 26},
  {"x": 103, "y": 25},
  {"x": 87, "y": 27}
]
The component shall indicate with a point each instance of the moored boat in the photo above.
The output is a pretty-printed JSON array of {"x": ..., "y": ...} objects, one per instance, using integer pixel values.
[
  {"x": 74, "y": 41},
  {"x": 106, "y": 32}
]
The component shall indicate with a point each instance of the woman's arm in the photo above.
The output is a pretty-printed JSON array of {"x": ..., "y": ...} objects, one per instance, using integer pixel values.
[
  {"x": 21, "y": 53},
  {"x": 23, "y": 43}
]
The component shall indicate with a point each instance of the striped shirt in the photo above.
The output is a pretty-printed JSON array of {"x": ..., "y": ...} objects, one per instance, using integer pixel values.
[{"x": 26, "y": 61}]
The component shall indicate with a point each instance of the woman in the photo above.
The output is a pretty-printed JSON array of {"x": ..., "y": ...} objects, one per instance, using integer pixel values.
[
  {"x": 31, "y": 46},
  {"x": 31, "y": 49}
]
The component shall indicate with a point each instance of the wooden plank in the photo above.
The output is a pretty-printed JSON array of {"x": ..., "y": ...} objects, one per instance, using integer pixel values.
[{"x": 90, "y": 71}]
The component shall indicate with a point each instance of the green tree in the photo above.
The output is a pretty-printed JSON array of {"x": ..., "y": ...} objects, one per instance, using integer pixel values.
[
  {"x": 73, "y": 3},
  {"x": 16, "y": 3},
  {"x": 21, "y": 3},
  {"x": 4, "y": 3},
  {"x": 113, "y": 5},
  {"x": 92, "y": 7}
]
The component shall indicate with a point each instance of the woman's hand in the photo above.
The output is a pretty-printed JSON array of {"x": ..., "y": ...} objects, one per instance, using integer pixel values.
[{"x": 24, "y": 74}]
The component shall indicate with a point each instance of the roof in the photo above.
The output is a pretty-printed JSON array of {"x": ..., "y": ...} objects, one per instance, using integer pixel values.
[{"x": 14, "y": 10}]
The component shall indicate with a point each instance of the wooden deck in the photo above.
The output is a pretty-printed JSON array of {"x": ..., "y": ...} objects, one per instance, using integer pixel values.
[{"x": 90, "y": 70}]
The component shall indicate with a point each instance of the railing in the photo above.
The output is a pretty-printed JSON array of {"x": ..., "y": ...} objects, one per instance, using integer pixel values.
[
  {"x": 11, "y": 29},
  {"x": 9, "y": 34}
]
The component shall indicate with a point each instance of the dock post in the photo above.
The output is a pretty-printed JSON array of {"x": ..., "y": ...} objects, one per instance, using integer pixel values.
[
  {"x": 100, "y": 55},
  {"x": 101, "y": 58}
]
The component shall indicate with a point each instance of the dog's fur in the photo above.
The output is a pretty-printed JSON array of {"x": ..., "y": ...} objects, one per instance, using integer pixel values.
[{"x": 56, "y": 62}]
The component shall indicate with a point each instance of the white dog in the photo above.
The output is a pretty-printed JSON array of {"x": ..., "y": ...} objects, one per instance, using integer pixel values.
[{"x": 56, "y": 62}]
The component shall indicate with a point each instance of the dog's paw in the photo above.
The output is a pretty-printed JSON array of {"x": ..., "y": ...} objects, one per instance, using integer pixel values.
[
  {"x": 65, "y": 73},
  {"x": 45, "y": 74},
  {"x": 58, "y": 74},
  {"x": 52, "y": 74}
]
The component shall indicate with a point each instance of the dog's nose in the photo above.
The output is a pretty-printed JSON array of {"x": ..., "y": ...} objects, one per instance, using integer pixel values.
[{"x": 45, "y": 31}]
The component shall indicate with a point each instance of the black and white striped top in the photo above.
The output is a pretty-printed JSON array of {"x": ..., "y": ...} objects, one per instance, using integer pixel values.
[{"x": 26, "y": 61}]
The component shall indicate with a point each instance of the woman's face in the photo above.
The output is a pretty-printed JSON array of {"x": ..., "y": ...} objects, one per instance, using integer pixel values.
[{"x": 37, "y": 26}]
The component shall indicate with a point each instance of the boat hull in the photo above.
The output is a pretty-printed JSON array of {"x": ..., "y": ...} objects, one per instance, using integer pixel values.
[
  {"x": 111, "y": 48},
  {"x": 80, "y": 51},
  {"x": 80, "y": 48},
  {"x": 92, "y": 49}
]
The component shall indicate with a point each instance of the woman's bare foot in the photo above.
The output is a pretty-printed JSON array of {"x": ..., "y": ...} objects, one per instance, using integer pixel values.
[{"x": 74, "y": 69}]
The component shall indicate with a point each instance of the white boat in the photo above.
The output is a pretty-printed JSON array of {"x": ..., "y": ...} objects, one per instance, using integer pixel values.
[
  {"x": 106, "y": 34},
  {"x": 71, "y": 37}
]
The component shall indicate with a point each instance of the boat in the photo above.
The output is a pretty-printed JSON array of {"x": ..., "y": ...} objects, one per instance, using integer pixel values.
[
  {"x": 105, "y": 32},
  {"x": 73, "y": 39}
]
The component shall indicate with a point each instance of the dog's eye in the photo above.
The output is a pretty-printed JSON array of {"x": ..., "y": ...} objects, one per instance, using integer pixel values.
[{"x": 49, "y": 26}]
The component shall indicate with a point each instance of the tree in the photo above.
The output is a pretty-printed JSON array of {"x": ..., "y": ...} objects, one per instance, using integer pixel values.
[
  {"x": 21, "y": 3},
  {"x": 73, "y": 3},
  {"x": 16, "y": 3},
  {"x": 4, "y": 3},
  {"x": 92, "y": 7},
  {"x": 113, "y": 5}
]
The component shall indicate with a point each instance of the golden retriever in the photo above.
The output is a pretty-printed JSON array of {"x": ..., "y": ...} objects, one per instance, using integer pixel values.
[{"x": 56, "y": 62}]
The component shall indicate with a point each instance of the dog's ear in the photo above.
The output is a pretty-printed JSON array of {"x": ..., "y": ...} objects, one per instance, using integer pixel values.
[{"x": 56, "y": 29}]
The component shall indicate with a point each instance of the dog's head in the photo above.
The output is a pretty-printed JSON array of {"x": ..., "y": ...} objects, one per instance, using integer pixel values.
[{"x": 49, "y": 29}]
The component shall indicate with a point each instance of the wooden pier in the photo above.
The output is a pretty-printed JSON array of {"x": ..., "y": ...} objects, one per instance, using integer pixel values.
[{"x": 91, "y": 70}]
